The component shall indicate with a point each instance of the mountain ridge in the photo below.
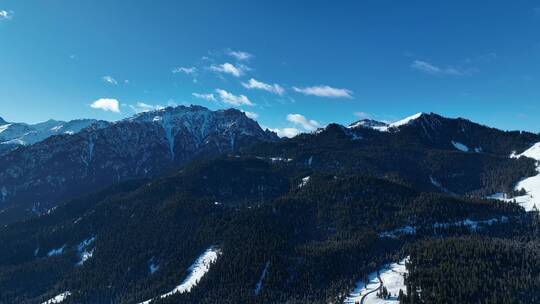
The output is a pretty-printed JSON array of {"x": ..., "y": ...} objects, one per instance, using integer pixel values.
[{"x": 34, "y": 177}]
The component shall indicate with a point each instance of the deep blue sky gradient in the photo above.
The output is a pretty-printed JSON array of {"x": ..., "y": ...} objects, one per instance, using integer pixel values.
[{"x": 54, "y": 53}]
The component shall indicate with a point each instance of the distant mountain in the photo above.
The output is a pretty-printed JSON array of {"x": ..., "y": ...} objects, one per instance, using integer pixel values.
[
  {"x": 36, "y": 177},
  {"x": 427, "y": 151},
  {"x": 13, "y": 135}
]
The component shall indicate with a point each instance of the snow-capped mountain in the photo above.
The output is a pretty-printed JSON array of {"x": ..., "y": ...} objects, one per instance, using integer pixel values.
[
  {"x": 368, "y": 123},
  {"x": 36, "y": 176},
  {"x": 13, "y": 135},
  {"x": 385, "y": 127}
]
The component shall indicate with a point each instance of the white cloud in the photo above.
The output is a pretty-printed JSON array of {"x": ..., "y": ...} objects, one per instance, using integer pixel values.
[
  {"x": 110, "y": 80},
  {"x": 5, "y": 15},
  {"x": 431, "y": 69},
  {"x": 209, "y": 97},
  {"x": 228, "y": 68},
  {"x": 251, "y": 115},
  {"x": 106, "y": 104},
  {"x": 272, "y": 88},
  {"x": 185, "y": 70},
  {"x": 286, "y": 132},
  {"x": 235, "y": 100},
  {"x": 325, "y": 91},
  {"x": 307, "y": 124},
  {"x": 240, "y": 56},
  {"x": 144, "y": 107}
]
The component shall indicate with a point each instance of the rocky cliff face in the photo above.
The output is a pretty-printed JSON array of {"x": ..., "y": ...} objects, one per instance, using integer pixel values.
[{"x": 36, "y": 176}]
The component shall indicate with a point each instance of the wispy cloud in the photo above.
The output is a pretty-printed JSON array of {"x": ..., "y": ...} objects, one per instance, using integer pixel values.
[
  {"x": 209, "y": 97},
  {"x": 228, "y": 68},
  {"x": 109, "y": 80},
  {"x": 106, "y": 104},
  {"x": 239, "y": 55},
  {"x": 140, "y": 107},
  {"x": 272, "y": 88},
  {"x": 307, "y": 124},
  {"x": 325, "y": 91},
  {"x": 185, "y": 70},
  {"x": 428, "y": 68},
  {"x": 235, "y": 100},
  {"x": 6, "y": 15}
]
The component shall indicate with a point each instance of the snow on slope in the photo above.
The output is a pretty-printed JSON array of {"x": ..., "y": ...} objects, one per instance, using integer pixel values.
[
  {"x": 384, "y": 127},
  {"x": 405, "y": 121},
  {"x": 56, "y": 251},
  {"x": 259, "y": 285},
  {"x": 304, "y": 182},
  {"x": 84, "y": 252},
  {"x": 196, "y": 273},
  {"x": 531, "y": 184},
  {"x": 58, "y": 299},
  {"x": 392, "y": 277},
  {"x": 472, "y": 225},
  {"x": 461, "y": 147}
]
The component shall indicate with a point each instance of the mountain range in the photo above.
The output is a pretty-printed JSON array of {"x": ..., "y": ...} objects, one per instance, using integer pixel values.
[
  {"x": 13, "y": 135},
  {"x": 189, "y": 205}
]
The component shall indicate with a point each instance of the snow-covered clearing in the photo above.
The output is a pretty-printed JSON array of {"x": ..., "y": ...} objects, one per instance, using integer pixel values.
[
  {"x": 58, "y": 299},
  {"x": 531, "y": 185},
  {"x": 196, "y": 273},
  {"x": 392, "y": 277}
]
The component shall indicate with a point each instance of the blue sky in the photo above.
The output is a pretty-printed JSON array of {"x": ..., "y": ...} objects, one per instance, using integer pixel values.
[{"x": 293, "y": 64}]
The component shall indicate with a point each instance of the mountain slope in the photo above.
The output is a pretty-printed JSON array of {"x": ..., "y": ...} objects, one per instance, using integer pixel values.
[
  {"x": 315, "y": 240},
  {"x": 421, "y": 151},
  {"x": 36, "y": 177}
]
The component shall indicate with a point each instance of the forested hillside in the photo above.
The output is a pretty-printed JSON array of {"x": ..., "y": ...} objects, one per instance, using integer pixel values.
[{"x": 317, "y": 235}]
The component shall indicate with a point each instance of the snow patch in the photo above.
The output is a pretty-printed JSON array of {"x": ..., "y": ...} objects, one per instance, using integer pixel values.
[
  {"x": 196, "y": 273},
  {"x": 383, "y": 127},
  {"x": 437, "y": 184},
  {"x": 461, "y": 147},
  {"x": 391, "y": 276},
  {"x": 57, "y": 251},
  {"x": 84, "y": 252},
  {"x": 304, "y": 182},
  {"x": 4, "y": 127},
  {"x": 531, "y": 185},
  {"x": 405, "y": 121},
  {"x": 259, "y": 285},
  {"x": 472, "y": 225},
  {"x": 405, "y": 230},
  {"x": 153, "y": 267},
  {"x": 58, "y": 299}
]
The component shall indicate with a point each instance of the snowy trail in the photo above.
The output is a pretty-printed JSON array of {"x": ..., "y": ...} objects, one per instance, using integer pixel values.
[{"x": 390, "y": 276}]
